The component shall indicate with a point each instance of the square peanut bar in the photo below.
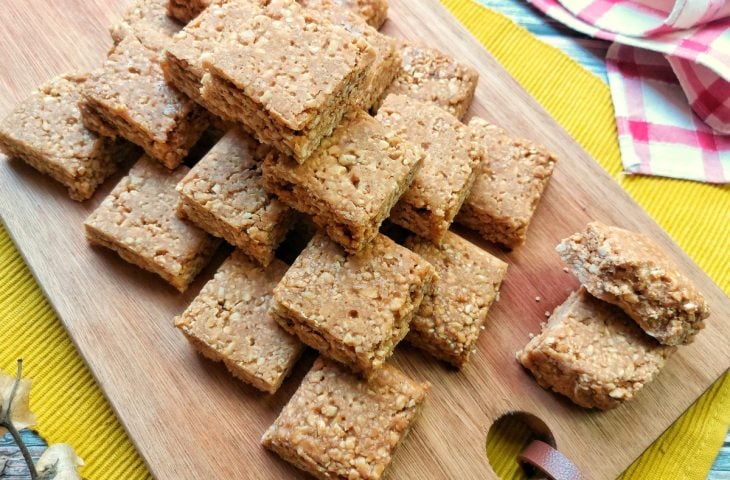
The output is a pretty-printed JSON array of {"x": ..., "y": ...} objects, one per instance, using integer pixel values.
[
  {"x": 46, "y": 132},
  {"x": 223, "y": 194},
  {"x": 374, "y": 12},
  {"x": 288, "y": 75},
  {"x": 351, "y": 182},
  {"x": 592, "y": 353},
  {"x": 629, "y": 270},
  {"x": 432, "y": 76},
  {"x": 387, "y": 63},
  {"x": 508, "y": 187},
  {"x": 229, "y": 321},
  {"x": 352, "y": 308},
  {"x": 339, "y": 426},
  {"x": 448, "y": 322},
  {"x": 138, "y": 221},
  {"x": 129, "y": 97},
  {"x": 445, "y": 178},
  {"x": 148, "y": 20},
  {"x": 182, "y": 61}
]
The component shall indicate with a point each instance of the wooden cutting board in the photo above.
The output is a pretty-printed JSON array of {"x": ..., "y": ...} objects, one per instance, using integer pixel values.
[{"x": 191, "y": 420}]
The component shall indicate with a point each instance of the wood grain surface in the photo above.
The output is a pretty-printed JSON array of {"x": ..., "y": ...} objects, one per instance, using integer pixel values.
[{"x": 191, "y": 420}]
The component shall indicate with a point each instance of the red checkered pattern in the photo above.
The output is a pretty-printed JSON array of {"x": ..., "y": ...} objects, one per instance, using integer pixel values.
[
  {"x": 688, "y": 43},
  {"x": 657, "y": 132}
]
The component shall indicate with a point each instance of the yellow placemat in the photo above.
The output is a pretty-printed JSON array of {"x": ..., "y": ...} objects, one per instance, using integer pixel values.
[{"x": 70, "y": 407}]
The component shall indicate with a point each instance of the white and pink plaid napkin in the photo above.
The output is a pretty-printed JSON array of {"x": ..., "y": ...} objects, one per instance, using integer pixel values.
[{"x": 681, "y": 65}]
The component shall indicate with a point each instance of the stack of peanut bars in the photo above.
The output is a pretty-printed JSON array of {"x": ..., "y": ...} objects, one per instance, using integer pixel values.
[
  {"x": 322, "y": 128},
  {"x": 612, "y": 337}
]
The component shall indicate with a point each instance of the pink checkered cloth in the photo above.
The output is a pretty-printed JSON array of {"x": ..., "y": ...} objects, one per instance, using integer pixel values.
[
  {"x": 682, "y": 66},
  {"x": 657, "y": 132}
]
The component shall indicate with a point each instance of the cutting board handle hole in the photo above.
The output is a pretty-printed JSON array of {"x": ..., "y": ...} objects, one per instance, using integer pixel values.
[{"x": 507, "y": 438}]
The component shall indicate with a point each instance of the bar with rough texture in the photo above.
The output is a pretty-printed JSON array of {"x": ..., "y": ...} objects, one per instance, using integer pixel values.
[
  {"x": 229, "y": 322},
  {"x": 129, "y": 97},
  {"x": 46, "y": 132},
  {"x": 387, "y": 63},
  {"x": 138, "y": 221},
  {"x": 148, "y": 20},
  {"x": 223, "y": 194},
  {"x": 351, "y": 182},
  {"x": 182, "y": 60},
  {"x": 338, "y": 426},
  {"x": 508, "y": 187},
  {"x": 592, "y": 353},
  {"x": 352, "y": 308},
  {"x": 448, "y": 322},
  {"x": 430, "y": 75},
  {"x": 447, "y": 174},
  {"x": 629, "y": 270},
  {"x": 288, "y": 76},
  {"x": 374, "y": 12}
]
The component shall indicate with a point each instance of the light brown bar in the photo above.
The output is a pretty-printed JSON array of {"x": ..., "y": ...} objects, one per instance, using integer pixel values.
[
  {"x": 448, "y": 322},
  {"x": 509, "y": 186},
  {"x": 387, "y": 63},
  {"x": 591, "y": 352},
  {"x": 182, "y": 61},
  {"x": 431, "y": 76},
  {"x": 186, "y": 10},
  {"x": 446, "y": 177},
  {"x": 351, "y": 182},
  {"x": 337, "y": 426},
  {"x": 229, "y": 322},
  {"x": 129, "y": 97},
  {"x": 46, "y": 132},
  {"x": 288, "y": 75},
  {"x": 374, "y": 12},
  {"x": 631, "y": 271},
  {"x": 138, "y": 221},
  {"x": 223, "y": 194},
  {"x": 148, "y": 20},
  {"x": 352, "y": 308}
]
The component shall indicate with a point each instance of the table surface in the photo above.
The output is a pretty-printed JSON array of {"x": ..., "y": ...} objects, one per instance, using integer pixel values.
[{"x": 586, "y": 51}]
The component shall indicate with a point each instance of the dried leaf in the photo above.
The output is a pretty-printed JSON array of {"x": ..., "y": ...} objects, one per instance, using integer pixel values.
[
  {"x": 20, "y": 414},
  {"x": 59, "y": 462}
]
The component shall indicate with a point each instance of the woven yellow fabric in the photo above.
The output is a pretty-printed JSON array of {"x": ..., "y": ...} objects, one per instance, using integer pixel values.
[
  {"x": 69, "y": 405},
  {"x": 71, "y": 408}
]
